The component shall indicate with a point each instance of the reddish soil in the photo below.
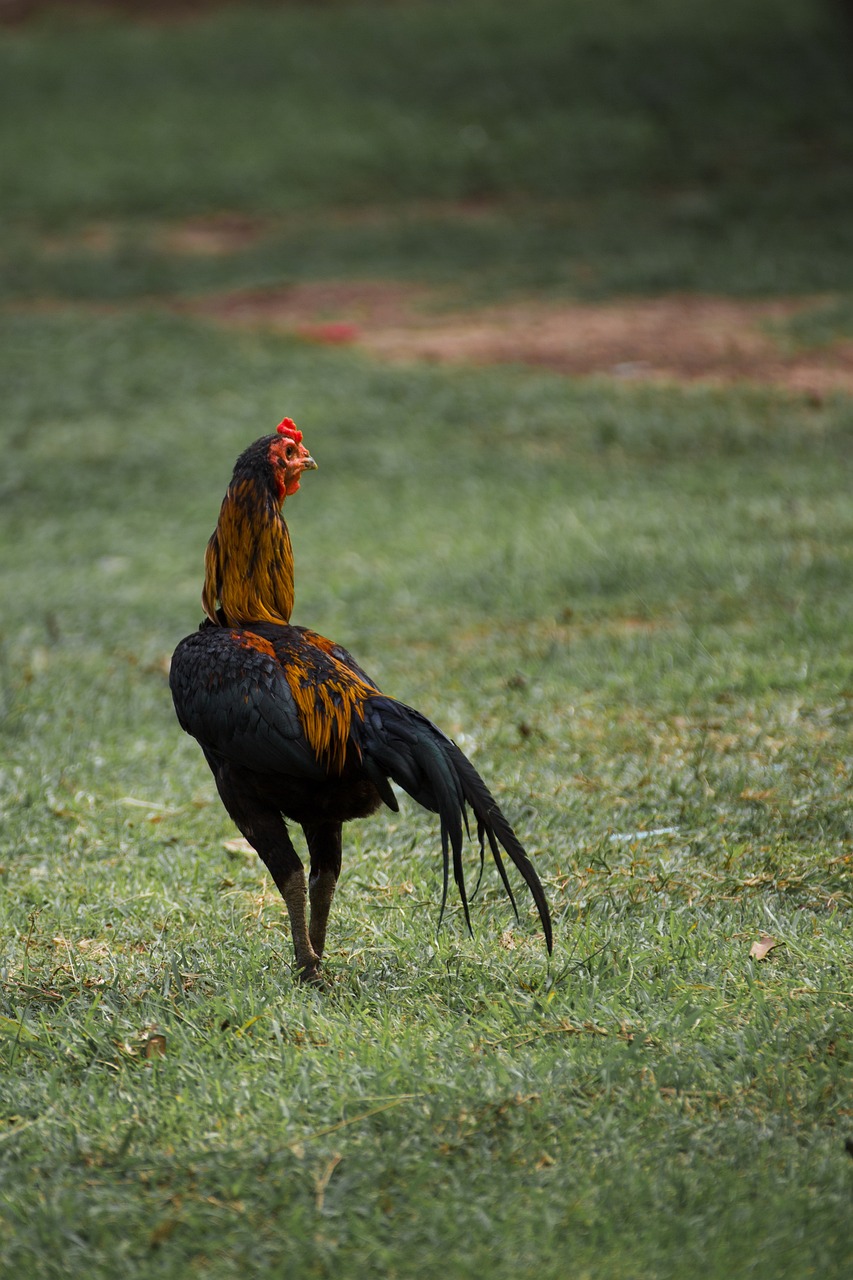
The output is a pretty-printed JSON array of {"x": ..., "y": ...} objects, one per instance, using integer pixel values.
[
  {"x": 678, "y": 338},
  {"x": 682, "y": 338}
]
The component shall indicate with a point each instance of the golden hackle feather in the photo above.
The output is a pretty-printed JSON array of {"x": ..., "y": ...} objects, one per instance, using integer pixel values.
[
  {"x": 248, "y": 579},
  {"x": 248, "y": 564},
  {"x": 327, "y": 696}
]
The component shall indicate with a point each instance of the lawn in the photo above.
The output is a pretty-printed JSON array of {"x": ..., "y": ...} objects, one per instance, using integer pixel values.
[
  {"x": 630, "y": 604},
  {"x": 597, "y": 146}
]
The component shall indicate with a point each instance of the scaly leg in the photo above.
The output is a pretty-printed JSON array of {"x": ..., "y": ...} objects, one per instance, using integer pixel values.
[
  {"x": 292, "y": 889},
  {"x": 265, "y": 829},
  {"x": 324, "y": 846}
]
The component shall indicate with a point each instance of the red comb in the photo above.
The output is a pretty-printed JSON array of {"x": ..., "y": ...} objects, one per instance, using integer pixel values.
[{"x": 287, "y": 427}]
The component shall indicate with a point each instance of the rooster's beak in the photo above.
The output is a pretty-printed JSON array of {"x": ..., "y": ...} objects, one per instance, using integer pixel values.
[{"x": 306, "y": 462}]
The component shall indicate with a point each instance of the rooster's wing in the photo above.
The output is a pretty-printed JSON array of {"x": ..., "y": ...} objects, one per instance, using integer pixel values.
[{"x": 231, "y": 694}]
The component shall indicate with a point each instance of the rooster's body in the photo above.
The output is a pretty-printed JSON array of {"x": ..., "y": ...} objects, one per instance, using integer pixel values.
[{"x": 293, "y": 728}]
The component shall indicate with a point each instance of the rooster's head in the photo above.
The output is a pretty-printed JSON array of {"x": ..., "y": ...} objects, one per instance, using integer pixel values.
[
  {"x": 289, "y": 457},
  {"x": 277, "y": 461}
]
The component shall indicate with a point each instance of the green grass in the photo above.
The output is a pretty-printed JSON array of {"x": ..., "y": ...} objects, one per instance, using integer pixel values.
[
  {"x": 633, "y": 608},
  {"x": 631, "y": 605},
  {"x": 615, "y": 147}
]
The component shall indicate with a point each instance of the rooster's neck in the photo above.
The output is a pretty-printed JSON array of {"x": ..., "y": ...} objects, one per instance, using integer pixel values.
[{"x": 248, "y": 565}]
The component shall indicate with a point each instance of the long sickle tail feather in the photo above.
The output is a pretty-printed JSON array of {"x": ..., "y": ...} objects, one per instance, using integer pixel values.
[
  {"x": 398, "y": 742},
  {"x": 491, "y": 820}
]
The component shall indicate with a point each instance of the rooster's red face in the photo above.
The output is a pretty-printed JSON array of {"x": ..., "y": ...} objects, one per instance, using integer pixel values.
[{"x": 288, "y": 459}]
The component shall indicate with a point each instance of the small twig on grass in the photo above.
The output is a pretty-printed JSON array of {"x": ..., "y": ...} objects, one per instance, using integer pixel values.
[
  {"x": 343, "y": 1124},
  {"x": 820, "y": 991},
  {"x": 323, "y": 1181},
  {"x": 169, "y": 810},
  {"x": 564, "y": 1028}
]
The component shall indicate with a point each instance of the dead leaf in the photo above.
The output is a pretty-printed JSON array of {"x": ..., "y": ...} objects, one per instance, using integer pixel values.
[
  {"x": 155, "y": 1046},
  {"x": 756, "y": 796},
  {"x": 162, "y": 1232},
  {"x": 760, "y": 949},
  {"x": 94, "y": 949}
]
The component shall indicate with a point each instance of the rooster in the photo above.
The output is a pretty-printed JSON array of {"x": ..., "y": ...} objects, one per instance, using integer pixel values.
[{"x": 291, "y": 726}]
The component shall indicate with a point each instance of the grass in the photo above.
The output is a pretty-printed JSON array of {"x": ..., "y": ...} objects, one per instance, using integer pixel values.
[
  {"x": 643, "y": 640},
  {"x": 630, "y": 604},
  {"x": 608, "y": 147}
]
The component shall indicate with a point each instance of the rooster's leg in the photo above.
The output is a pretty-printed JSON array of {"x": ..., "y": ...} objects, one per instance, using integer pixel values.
[
  {"x": 324, "y": 846},
  {"x": 292, "y": 889},
  {"x": 264, "y": 828}
]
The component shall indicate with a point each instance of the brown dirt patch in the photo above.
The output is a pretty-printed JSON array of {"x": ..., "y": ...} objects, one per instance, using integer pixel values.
[
  {"x": 682, "y": 338},
  {"x": 367, "y": 307},
  {"x": 215, "y": 236}
]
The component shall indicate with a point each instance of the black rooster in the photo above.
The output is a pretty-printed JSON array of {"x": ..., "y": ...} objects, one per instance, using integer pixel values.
[{"x": 293, "y": 728}]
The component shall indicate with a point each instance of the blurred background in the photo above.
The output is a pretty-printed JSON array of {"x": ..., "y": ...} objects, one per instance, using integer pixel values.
[{"x": 581, "y": 148}]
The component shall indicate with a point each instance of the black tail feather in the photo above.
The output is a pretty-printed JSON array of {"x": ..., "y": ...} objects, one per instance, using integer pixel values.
[
  {"x": 450, "y": 801},
  {"x": 459, "y": 877},
  {"x": 499, "y": 862},
  {"x": 499, "y": 832},
  {"x": 445, "y": 875},
  {"x": 400, "y": 743},
  {"x": 481, "y": 845}
]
